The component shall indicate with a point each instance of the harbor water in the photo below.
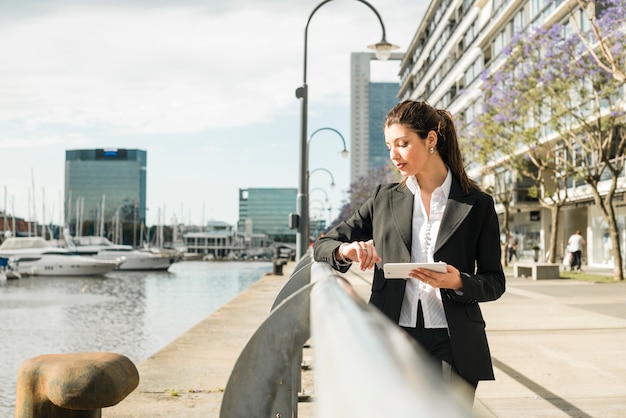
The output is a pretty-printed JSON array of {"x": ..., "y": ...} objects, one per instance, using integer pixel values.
[{"x": 131, "y": 313}]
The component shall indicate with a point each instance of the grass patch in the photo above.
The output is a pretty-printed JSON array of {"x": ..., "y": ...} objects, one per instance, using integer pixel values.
[
  {"x": 576, "y": 275},
  {"x": 586, "y": 277}
]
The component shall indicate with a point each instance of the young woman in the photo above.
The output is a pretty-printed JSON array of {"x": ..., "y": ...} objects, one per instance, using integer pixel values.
[{"x": 435, "y": 214}]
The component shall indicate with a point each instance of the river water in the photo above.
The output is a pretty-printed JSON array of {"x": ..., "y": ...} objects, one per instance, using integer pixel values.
[{"x": 131, "y": 313}]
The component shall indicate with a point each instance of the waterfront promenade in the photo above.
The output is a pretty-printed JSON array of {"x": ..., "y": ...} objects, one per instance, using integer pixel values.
[{"x": 557, "y": 347}]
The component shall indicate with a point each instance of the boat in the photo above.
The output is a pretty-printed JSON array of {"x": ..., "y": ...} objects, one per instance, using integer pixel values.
[
  {"x": 34, "y": 256},
  {"x": 130, "y": 259}
]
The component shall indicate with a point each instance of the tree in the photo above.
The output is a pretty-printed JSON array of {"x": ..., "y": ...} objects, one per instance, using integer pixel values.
[
  {"x": 491, "y": 142},
  {"x": 567, "y": 108},
  {"x": 606, "y": 21},
  {"x": 508, "y": 134}
]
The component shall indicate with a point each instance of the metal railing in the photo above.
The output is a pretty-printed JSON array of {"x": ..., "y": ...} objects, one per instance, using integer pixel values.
[{"x": 364, "y": 365}]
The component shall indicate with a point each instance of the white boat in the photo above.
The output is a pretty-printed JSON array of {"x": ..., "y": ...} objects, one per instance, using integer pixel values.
[
  {"x": 129, "y": 258},
  {"x": 37, "y": 257}
]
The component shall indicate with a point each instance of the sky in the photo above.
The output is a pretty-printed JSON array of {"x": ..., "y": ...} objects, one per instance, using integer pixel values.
[{"x": 207, "y": 88}]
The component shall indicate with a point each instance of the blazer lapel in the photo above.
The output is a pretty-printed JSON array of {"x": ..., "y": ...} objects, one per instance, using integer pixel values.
[
  {"x": 401, "y": 203},
  {"x": 457, "y": 208}
]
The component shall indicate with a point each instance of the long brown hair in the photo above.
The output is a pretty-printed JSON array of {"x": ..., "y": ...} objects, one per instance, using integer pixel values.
[{"x": 422, "y": 118}]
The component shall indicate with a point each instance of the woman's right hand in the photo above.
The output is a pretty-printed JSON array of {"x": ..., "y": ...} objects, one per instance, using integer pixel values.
[{"x": 363, "y": 252}]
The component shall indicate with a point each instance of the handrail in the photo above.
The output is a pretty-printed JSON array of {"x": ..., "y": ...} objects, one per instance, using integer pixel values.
[
  {"x": 360, "y": 357},
  {"x": 265, "y": 381}
]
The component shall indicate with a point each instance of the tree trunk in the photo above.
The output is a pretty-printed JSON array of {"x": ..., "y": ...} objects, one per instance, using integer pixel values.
[
  {"x": 554, "y": 217},
  {"x": 618, "y": 271},
  {"x": 608, "y": 212}
]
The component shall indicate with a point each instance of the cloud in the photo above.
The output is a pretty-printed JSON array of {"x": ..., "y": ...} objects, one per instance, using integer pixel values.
[
  {"x": 206, "y": 87},
  {"x": 167, "y": 70},
  {"x": 177, "y": 69}
]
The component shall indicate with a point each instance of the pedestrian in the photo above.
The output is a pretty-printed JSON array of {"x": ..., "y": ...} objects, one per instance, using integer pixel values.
[
  {"x": 435, "y": 214},
  {"x": 575, "y": 246},
  {"x": 512, "y": 249}
]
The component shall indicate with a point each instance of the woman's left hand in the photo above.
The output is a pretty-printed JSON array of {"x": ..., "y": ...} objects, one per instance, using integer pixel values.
[{"x": 451, "y": 279}]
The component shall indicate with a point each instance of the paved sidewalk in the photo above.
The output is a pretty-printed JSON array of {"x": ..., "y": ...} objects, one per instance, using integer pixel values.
[{"x": 557, "y": 347}]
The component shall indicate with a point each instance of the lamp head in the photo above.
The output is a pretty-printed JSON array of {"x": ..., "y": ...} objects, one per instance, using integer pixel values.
[
  {"x": 344, "y": 153},
  {"x": 383, "y": 49}
]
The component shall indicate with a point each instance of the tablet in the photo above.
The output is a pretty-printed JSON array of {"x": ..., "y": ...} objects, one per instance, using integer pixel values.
[{"x": 402, "y": 270}]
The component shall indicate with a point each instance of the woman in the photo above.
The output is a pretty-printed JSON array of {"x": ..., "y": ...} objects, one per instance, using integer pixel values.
[{"x": 435, "y": 214}]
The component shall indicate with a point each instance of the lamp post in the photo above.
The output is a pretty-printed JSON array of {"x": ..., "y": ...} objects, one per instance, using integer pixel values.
[
  {"x": 318, "y": 224},
  {"x": 344, "y": 152},
  {"x": 383, "y": 51},
  {"x": 321, "y": 190},
  {"x": 332, "y": 178},
  {"x": 317, "y": 201}
]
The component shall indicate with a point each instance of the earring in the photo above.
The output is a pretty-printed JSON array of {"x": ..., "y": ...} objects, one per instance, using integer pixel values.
[{"x": 432, "y": 150}]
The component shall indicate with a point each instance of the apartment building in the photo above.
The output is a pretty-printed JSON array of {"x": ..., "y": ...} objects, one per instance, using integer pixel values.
[{"x": 455, "y": 42}]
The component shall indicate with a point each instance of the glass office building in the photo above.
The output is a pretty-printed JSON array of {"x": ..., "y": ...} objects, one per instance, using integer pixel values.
[
  {"x": 382, "y": 98},
  {"x": 266, "y": 211},
  {"x": 369, "y": 104},
  {"x": 113, "y": 178}
]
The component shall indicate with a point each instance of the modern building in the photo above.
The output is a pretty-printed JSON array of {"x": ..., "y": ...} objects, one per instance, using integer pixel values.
[
  {"x": 105, "y": 181},
  {"x": 218, "y": 241},
  {"x": 266, "y": 211},
  {"x": 456, "y": 41},
  {"x": 369, "y": 104}
]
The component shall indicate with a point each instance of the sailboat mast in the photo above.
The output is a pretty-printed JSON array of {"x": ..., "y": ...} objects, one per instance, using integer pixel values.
[
  {"x": 102, "y": 216},
  {"x": 4, "y": 225}
]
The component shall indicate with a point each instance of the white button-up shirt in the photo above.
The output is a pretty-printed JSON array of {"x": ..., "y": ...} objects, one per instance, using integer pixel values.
[{"x": 425, "y": 230}]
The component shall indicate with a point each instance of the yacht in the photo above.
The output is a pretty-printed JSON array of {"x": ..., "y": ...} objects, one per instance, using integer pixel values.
[
  {"x": 34, "y": 256},
  {"x": 129, "y": 258}
]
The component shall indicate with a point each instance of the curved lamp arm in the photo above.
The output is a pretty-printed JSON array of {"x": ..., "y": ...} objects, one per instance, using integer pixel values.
[
  {"x": 332, "y": 178},
  {"x": 344, "y": 152},
  {"x": 321, "y": 190}
]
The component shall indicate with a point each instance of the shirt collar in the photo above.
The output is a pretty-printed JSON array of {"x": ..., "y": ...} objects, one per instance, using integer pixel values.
[{"x": 414, "y": 187}]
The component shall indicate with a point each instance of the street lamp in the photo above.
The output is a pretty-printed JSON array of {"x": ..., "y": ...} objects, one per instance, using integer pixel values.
[
  {"x": 344, "y": 152},
  {"x": 332, "y": 178},
  {"x": 321, "y": 190},
  {"x": 318, "y": 224},
  {"x": 383, "y": 51},
  {"x": 317, "y": 201}
]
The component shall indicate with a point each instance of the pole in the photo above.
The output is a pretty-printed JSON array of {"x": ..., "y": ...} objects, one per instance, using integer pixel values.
[{"x": 302, "y": 202}]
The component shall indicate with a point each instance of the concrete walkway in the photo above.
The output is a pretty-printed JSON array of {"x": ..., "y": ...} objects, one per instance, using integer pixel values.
[{"x": 557, "y": 348}]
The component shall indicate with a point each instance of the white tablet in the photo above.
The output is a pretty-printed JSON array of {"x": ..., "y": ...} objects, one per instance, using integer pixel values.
[{"x": 402, "y": 270}]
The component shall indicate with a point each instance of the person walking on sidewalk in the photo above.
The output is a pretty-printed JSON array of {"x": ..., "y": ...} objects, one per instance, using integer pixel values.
[
  {"x": 575, "y": 246},
  {"x": 437, "y": 213},
  {"x": 512, "y": 249}
]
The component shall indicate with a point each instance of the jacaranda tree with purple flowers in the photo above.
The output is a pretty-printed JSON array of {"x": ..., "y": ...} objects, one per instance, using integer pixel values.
[{"x": 555, "y": 107}]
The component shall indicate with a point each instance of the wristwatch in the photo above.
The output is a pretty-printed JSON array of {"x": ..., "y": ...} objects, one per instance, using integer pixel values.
[{"x": 342, "y": 258}]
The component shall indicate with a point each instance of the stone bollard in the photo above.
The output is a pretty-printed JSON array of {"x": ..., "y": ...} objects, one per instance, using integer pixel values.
[{"x": 73, "y": 385}]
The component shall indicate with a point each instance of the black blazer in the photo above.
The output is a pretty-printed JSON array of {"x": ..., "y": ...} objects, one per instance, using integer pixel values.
[{"x": 468, "y": 239}]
